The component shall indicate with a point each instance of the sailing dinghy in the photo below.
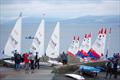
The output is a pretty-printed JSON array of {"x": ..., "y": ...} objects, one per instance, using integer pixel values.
[
  {"x": 98, "y": 47},
  {"x": 52, "y": 50},
  {"x": 84, "y": 48},
  {"x": 14, "y": 40},
  {"x": 74, "y": 46}
]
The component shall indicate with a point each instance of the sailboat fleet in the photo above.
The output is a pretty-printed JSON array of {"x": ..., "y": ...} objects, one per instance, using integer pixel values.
[
  {"x": 97, "y": 50},
  {"x": 88, "y": 51}
]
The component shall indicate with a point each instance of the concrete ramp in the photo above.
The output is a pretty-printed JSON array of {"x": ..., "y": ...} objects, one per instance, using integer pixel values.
[{"x": 38, "y": 74}]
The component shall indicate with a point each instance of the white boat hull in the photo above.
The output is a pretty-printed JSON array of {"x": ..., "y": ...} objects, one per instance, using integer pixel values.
[
  {"x": 55, "y": 62},
  {"x": 75, "y": 76}
]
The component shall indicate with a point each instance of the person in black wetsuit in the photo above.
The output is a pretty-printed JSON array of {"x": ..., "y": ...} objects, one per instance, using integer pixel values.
[
  {"x": 64, "y": 58},
  {"x": 31, "y": 61},
  {"x": 17, "y": 59},
  {"x": 109, "y": 69},
  {"x": 37, "y": 65},
  {"x": 115, "y": 64}
]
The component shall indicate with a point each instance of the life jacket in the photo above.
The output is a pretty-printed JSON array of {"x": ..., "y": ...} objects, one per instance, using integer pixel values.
[
  {"x": 18, "y": 57},
  {"x": 26, "y": 58}
]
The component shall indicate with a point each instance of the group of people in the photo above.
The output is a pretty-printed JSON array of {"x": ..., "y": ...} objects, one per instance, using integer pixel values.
[
  {"x": 112, "y": 68},
  {"x": 116, "y": 55},
  {"x": 28, "y": 59}
]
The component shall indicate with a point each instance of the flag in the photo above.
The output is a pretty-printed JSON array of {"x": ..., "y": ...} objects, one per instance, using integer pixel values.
[
  {"x": 78, "y": 38},
  {"x": 89, "y": 35},
  {"x": 105, "y": 32},
  {"x": 101, "y": 31},
  {"x": 85, "y": 35}
]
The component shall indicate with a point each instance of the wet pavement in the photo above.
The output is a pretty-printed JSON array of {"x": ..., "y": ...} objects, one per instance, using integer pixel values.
[{"x": 43, "y": 73}]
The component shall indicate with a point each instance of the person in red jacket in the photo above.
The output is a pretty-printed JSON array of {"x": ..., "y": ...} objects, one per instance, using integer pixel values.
[{"x": 26, "y": 61}]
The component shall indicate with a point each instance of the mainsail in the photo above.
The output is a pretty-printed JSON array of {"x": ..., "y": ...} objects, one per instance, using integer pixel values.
[
  {"x": 38, "y": 41},
  {"x": 52, "y": 50},
  {"x": 14, "y": 40},
  {"x": 85, "y": 46},
  {"x": 98, "y": 47},
  {"x": 74, "y": 46}
]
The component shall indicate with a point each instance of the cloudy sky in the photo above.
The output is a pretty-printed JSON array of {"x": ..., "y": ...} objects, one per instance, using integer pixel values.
[{"x": 63, "y": 9}]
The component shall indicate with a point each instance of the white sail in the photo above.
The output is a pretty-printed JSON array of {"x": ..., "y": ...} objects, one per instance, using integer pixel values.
[
  {"x": 85, "y": 46},
  {"x": 74, "y": 46},
  {"x": 14, "y": 40},
  {"x": 98, "y": 47},
  {"x": 53, "y": 45},
  {"x": 38, "y": 41}
]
